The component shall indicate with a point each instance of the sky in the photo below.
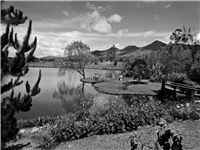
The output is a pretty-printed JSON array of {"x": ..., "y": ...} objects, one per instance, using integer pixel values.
[{"x": 101, "y": 24}]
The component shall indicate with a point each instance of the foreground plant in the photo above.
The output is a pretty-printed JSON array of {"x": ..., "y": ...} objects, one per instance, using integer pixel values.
[
  {"x": 167, "y": 139},
  {"x": 15, "y": 67}
]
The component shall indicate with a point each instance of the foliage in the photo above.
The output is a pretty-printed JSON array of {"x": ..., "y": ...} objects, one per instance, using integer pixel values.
[
  {"x": 177, "y": 77},
  {"x": 15, "y": 67},
  {"x": 40, "y": 121},
  {"x": 77, "y": 56},
  {"x": 12, "y": 16},
  {"x": 136, "y": 68},
  {"x": 117, "y": 119},
  {"x": 115, "y": 63},
  {"x": 188, "y": 37},
  {"x": 176, "y": 57},
  {"x": 167, "y": 139},
  {"x": 96, "y": 61},
  {"x": 111, "y": 54},
  {"x": 184, "y": 36},
  {"x": 194, "y": 74}
]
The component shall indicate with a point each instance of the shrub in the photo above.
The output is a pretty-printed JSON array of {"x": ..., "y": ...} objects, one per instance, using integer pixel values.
[
  {"x": 137, "y": 68},
  {"x": 115, "y": 63},
  {"x": 177, "y": 77},
  {"x": 40, "y": 121},
  {"x": 194, "y": 74},
  {"x": 117, "y": 119},
  {"x": 180, "y": 78}
]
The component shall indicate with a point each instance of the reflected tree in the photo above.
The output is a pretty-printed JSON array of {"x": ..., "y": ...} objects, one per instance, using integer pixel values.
[{"x": 74, "y": 99}]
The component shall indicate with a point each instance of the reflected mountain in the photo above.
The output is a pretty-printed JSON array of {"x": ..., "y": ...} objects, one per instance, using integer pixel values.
[{"x": 73, "y": 99}]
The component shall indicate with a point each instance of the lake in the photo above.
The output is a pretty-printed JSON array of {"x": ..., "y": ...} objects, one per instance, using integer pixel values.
[{"x": 63, "y": 94}]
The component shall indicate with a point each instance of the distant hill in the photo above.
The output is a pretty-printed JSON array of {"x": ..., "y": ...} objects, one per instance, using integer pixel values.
[
  {"x": 99, "y": 53},
  {"x": 154, "y": 46},
  {"x": 129, "y": 49},
  {"x": 126, "y": 51},
  {"x": 132, "y": 49},
  {"x": 50, "y": 58},
  {"x": 34, "y": 59}
]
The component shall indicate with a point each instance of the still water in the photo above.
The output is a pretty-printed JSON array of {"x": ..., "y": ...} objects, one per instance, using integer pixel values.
[{"x": 63, "y": 94}]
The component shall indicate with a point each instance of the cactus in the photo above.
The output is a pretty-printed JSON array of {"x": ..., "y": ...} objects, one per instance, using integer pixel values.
[{"x": 17, "y": 67}]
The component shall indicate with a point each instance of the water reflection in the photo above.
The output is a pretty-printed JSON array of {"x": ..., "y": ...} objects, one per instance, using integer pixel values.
[
  {"x": 82, "y": 98},
  {"x": 73, "y": 98}
]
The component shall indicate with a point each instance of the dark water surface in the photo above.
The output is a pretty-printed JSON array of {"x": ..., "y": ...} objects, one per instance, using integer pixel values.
[{"x": 63, "y": 94}]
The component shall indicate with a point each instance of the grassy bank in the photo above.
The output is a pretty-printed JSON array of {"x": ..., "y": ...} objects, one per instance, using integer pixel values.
[
  {"x": 100, "y": 67},
  {"x": 190, "y": 131},
  {"x": 49, "y": 133}
]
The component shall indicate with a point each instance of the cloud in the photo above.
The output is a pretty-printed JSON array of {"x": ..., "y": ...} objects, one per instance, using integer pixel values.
[
  {"x": 115, "y": 18},
  {"x": 167, "y": 6},
  {"x": 95, "y": 22},
  {"x": 53, "y": 42},
  {"x": 90, "y": 21},
  {"x": 92, "y": 7},
  {"x": 122, "y": 32},
  {"x": 156, "y": 17},
  {"x": 102, "y": 26},
  {"x": 65, "y": 13},
  {"x": 149, "y": 33}
]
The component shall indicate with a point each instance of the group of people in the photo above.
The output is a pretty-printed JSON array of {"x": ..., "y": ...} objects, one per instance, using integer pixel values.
[{"x": 96, "y": 76}]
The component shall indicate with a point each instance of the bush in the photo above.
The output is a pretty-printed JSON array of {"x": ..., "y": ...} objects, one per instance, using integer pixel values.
[
  {"x": 177, "y": 77},
  {"x": 117, "y": 119},
  {"x": 180, "y": 78},
  {"x": 137, "y": 68},
  {"x": 40, "y": 121},
  {"x": 115, "y": 63},
  {"x": 194, "y": 74}
]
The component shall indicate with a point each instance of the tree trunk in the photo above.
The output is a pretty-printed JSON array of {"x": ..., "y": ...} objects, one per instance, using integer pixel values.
[{"x": 83, "y": 73}]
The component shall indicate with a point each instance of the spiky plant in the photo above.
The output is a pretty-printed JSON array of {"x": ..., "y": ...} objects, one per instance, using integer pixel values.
[{"x": 15, "y": 67}]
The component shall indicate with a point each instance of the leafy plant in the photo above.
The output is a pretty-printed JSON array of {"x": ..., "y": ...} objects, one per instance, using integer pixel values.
[
  {"x": 137, "y": 68},
  {"x": 16, "y": 67},
  {"x": 194, "y": 74},
  {"x": 167, "y": 139}
]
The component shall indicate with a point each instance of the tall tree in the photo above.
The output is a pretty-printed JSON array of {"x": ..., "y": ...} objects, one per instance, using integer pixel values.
[
  {"x": 187, "y": 36},
  {"x": 111, "y": 53},
  {"x": 17, "y": 67},
  {"x": 77, "y": 56}
]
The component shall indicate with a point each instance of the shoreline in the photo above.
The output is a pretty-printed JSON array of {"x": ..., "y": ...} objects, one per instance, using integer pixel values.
[{"x": 99, "y": 67}]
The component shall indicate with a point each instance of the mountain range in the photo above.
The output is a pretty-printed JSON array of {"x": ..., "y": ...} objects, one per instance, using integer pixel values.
[
  {"x": 126, "y": 51},
  {"x": 131, "y": 49}
]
